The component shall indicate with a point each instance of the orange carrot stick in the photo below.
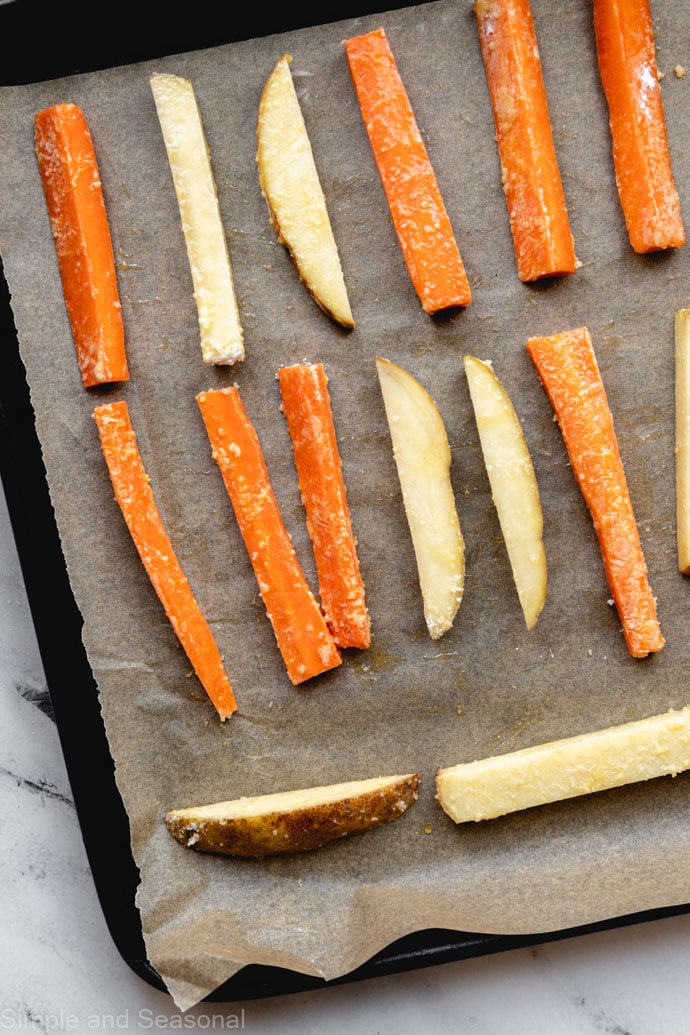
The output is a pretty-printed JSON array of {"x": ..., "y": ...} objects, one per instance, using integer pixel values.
[
  {"x": 569, "y": 372},
  {"x": 79, "y": 224},
  {"x": 307, "y": 409},
  {"x": 300, "y": 628},
  {"x": 134, "y": 495},
  {"x": 417, "y": 209},
  {"x": 642, "y": 162},
  {"x": 532, "y": 183}
]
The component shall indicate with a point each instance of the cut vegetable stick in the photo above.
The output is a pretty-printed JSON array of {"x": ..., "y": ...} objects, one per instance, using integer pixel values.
[
  {"x": 416, "y": 206},
  {"x": 633, "y": 752},
  {"x": 221, "y": 335},
  {"x": 642, "y": 163},
  {"x": 682, "y": 431},
  {"x": 531, "y": 178},
  {"x": 569, "y": 372},
  {"x": 307, "y": 409},
  {"x": 514, "y": 487},
  {"x": 285, "y": 822},
  {"x": 300, "y": 628},
  {"x": 136, "y": 500},
  {"x": 79, "y": 224},
  {"x": 422, "y": 456},
  {"x": 296, "y": 202}
]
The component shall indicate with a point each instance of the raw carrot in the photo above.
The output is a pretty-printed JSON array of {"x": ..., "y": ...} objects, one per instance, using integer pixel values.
[
  {"x": 300, "y": 628},
  {"x": 136, "y": 500},
  {"x": 79, "y": 224},
  {"x": 642, "y": 163},
  {"x": 568, "y": 369},
  {"x": 416, "y": 206},
  {"x": 532, "y": 183},
  {"x": 307, "y": 409}
]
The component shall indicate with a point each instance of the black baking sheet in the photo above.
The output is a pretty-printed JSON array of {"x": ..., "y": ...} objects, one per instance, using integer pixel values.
[{"x": 103, "y": 819}]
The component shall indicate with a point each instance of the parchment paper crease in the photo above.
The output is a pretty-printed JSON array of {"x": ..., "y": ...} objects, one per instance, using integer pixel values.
[{"x": 407, "y": 703}]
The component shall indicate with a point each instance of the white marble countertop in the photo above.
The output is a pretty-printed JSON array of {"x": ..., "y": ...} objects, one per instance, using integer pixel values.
[{"x": 62, "y": 972}]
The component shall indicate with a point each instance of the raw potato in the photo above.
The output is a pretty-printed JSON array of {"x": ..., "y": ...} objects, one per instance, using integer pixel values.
[
  {"x": 513, "y": 485},
  {"x": 630, "y": 753},
  {"x": 682, "y": 391},
  {"x": 293, "y": 821},
  {"x": 222, "y": 339},
  {"x": 290, "y": 183},
  {"x": 422, "y": 456}
]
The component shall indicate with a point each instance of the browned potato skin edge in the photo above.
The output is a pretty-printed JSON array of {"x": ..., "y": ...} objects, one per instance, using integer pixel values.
[{"x": 301, "y": 830}]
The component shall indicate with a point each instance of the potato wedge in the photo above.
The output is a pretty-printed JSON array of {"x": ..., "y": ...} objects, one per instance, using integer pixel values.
[
  {"x": 513, "y": 484},
  {"x": 682, "y": 431},
  {"x": 422, "y": 456},
  {"x": 630, "y": 753},
  {"x": 293, "y": 821},
  {"x": 297, "y": 206},
  {"x": 222, "y": 338}
]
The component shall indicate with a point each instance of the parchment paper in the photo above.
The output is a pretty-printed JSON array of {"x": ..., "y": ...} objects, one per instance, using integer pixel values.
[{"x": 407, "y": 703}]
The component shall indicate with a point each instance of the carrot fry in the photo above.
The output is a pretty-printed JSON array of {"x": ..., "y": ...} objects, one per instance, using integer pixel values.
[
  {"x": 416, "y": 206},
  {"x": 300, "y": 628},
  {"x": 135, "y": 497},
  {"x": 307, "y": 409},
  {"x": 642, "y": 163},
  {"x": 79, "y": 224},
  {"x": 568, "y": 369},
  {"x": 531, "y": 178}
]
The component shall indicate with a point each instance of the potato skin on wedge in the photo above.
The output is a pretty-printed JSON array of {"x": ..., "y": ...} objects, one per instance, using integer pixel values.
[{"x": 289, "y": 822}]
